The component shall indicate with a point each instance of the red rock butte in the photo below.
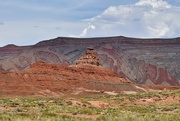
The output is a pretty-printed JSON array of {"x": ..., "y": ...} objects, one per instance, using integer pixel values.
[
  {"x": 90, "y": 58},
  {"x": 44, "y": 79},
  {"x": 143, "y": 61}
]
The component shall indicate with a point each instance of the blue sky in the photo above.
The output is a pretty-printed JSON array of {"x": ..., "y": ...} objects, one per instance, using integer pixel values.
[{"x": 26, "y": 22}]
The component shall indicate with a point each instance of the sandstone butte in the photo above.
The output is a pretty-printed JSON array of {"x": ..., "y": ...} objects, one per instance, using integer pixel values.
[
  {"x": 143, "y": 61},
  {"x": 43, "y": 79},
  {"x": 64, "y": 66},
  {"x": 86, "y": 77},
  {"x": 54, "y": 80}
]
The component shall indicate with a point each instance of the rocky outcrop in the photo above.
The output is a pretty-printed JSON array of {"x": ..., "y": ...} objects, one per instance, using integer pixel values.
[
  {"x": 146, "y": 61},
  {"x": 90, "y": 58},
  {"x": 42, "y": 78}
]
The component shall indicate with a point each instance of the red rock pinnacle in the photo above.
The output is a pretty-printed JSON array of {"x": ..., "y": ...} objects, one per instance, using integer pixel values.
[{"x": 90, "y": 58}]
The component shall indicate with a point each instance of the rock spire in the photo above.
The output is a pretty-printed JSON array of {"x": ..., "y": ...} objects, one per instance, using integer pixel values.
[{"x": 90, "y": 58}]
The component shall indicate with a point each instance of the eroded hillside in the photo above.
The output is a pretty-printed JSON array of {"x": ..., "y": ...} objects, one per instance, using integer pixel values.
[
  {"x": 43, "y": 79},
  {"x": 146, "y": 61}
]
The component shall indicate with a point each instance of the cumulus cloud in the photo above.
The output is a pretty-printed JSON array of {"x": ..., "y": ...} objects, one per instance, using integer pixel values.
[
  {"x": 153, "y": 3},
  {"x": 86, "y": 30},
  {"x": 146, "y": 18}
]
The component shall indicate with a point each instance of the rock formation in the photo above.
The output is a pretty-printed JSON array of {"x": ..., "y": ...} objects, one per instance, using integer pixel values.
[
  {"x": 90, "y": 58},
  {"x": 43, "y": 79},
  {"x": 145, "y": 61}
]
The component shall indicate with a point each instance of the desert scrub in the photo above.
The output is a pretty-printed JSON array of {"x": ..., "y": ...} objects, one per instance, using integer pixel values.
[
  {"x": 169, "y": 108},
  {"x": 85, "y": 101},
  {"x": 132, "y": 116},
  {"x": 91, "y": 110},
  {"x": 57, "y": 109},
  {"x": 139, "y": 109}
]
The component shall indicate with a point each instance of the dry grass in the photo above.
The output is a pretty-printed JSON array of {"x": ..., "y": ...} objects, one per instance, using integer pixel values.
[{"x": 159, "y": 106}]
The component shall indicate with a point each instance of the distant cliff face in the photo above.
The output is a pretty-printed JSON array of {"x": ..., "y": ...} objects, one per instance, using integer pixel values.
[{"x": 147, "y": 61}]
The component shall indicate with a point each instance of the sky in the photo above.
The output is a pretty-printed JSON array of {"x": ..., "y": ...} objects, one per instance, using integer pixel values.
[{"x": 26, "y": 22}]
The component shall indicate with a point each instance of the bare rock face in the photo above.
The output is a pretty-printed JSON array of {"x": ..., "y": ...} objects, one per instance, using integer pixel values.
[
  {"x": 90, "y": 58},
  {"x": 145, "y": 61},
  {"x": 43, "y": 79}
]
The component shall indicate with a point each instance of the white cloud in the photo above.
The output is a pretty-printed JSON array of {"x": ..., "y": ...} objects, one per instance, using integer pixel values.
[
  {"x": 25, "y": 22},
  {"x": 86, "y": 30},
  {"x": 153, "y": 3},
  {"x": 146, "y": 18}
]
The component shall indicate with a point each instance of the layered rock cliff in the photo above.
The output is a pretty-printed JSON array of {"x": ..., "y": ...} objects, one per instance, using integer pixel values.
[
  {"x": 147, "y": 61},
  {"x": 43, "y": 79}
]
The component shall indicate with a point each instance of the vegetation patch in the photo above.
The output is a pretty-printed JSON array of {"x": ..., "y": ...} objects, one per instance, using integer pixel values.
[{"x": 150, "y": 106}]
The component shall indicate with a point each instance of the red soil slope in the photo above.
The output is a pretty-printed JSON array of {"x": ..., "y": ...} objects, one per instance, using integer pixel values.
[{"x": 43, "y": 79}]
